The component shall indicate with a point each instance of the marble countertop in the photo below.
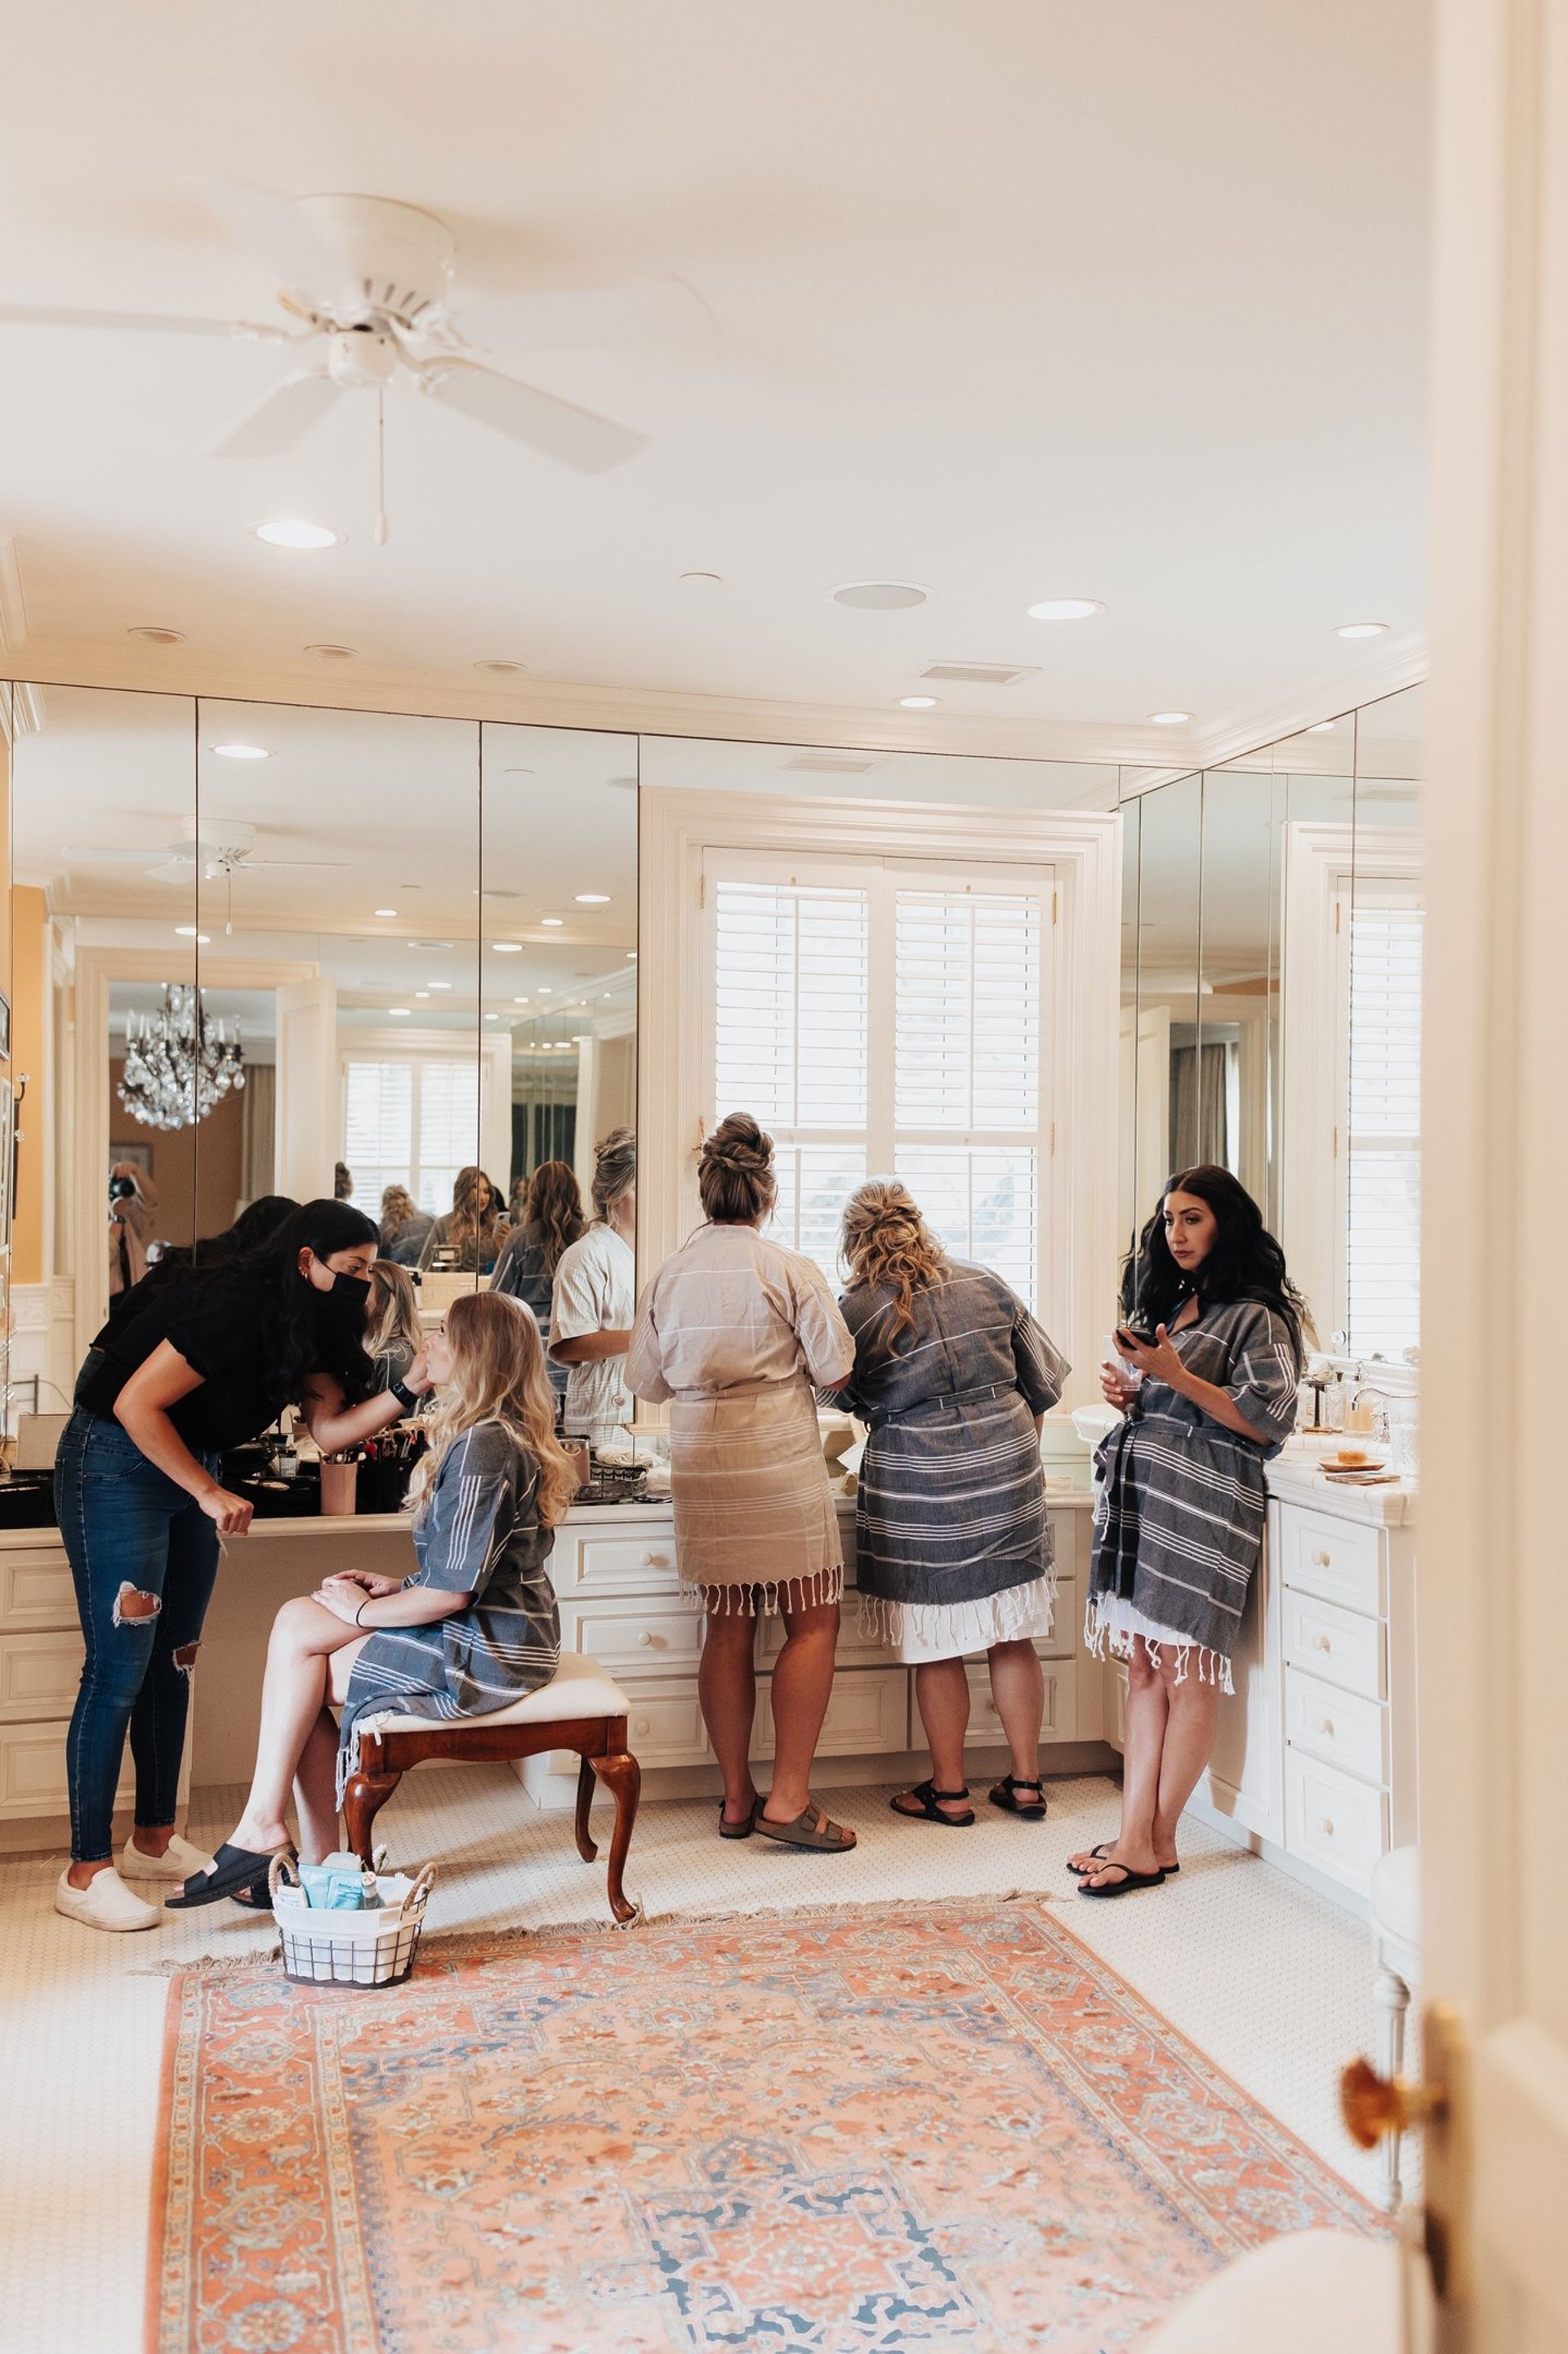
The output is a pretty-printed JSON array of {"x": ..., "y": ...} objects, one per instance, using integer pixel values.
[{"x": 1294, "y": 1477}]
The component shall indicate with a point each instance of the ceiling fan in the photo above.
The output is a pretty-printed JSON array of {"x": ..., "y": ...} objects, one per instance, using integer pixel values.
[
  {"x": 215, "y": 849},
  {"x": 370, "y": 280}
]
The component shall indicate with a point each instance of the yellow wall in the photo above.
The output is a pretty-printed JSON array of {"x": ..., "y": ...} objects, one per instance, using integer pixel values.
[{"x": 29, "y": 1012}]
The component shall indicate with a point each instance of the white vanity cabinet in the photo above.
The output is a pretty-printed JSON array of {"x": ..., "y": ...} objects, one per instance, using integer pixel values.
[{"x": 1317, "y": 1753}]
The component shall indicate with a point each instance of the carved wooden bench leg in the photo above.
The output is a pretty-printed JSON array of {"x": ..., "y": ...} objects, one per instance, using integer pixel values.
[
  {"x": 362, "y": 1801},
  {"x": 585, "y": 1847},
  {"x": 624, "y": 1776}
]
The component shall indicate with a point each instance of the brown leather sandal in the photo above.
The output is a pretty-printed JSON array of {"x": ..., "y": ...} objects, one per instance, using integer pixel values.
[
  {"x": 810, "y": 1828},
  {"x": 745, "y": 1825}
]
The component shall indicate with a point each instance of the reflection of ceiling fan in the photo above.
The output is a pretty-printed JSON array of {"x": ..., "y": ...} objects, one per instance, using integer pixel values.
[
  {"x": 369, "y": 281},
  {"x": 215, "y": 848}
]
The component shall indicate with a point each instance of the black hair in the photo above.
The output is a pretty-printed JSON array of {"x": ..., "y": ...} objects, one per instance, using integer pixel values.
[
  {"x": 251, "y": 1229},
  {"x": 1244, "y": 1263},
  {"x": 303, "y": 1337}
]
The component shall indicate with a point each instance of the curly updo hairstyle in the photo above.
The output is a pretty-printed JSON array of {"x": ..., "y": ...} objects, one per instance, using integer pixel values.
[
  {"x": 614, "y": 1170},
  {"x": 735, "y": 1173},
  {"x": 886, "y": 1241}
]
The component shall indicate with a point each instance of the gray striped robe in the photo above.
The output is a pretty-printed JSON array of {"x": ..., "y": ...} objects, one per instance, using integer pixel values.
[
  {"x": 951, "y": 1501},
  {"x": 480, "y": 1533},
  {"x": 1178, "y": 1523}
]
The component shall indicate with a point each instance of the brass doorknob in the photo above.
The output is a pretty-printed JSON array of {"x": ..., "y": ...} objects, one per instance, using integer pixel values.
[{"x": 1373, "y": 2106}]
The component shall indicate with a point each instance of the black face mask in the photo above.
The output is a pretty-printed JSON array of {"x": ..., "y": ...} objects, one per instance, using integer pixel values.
[{"x": 347, "y": 1305}]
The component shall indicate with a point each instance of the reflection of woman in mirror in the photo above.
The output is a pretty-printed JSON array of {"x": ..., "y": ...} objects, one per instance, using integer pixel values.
[
  {"x": 1179, "y": 1527},
  {"x": 254, "y": 1225},
  {"x": 595, "y": 1294},
  {"x": 404, "y": 1227},
  {"x": 133, "y": 1213},
  {"x": 467, "y": 1239},
  {"x": 953, "y": 1376},
  {"x": 473, "y": 1630},
  {"x": 549, "y": 1220},
  {"x": 205, "y": 1366},
  {"x": 394, "y": 1339},
  {"x": 737, "y": 1330}
]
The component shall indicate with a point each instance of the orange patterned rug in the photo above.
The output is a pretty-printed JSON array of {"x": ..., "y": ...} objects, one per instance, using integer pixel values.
[{"x": 853, "y": 2131}]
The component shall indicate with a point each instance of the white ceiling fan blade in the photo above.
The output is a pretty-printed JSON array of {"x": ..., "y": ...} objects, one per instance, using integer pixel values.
[
  {"x": 560, "y": 429},
  {"x": 102, "y": 857},
  {"x": 652, "y": 310},
  {"x": 255, "y": 865},
  {"x": 275, "y": 227},
  {"x": 147, "y": 322},
  {"x": 282, "y": 416}
]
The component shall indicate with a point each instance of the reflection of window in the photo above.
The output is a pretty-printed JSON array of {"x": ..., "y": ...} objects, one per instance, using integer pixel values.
[
  {"x": 410, "y": 1121},
  {"x": 1382, "y": 1127},
  {"x": 890, "y": 1024}
]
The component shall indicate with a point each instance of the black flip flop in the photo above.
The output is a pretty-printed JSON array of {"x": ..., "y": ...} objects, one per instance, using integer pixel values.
[
  {"x": 1033, "y": 1810},
  {"x": 1088, "y": 1871},
  {"x": 1126, "y": 1884},
  {"x": 234, "y": 1868},
  {"x": 929, "y": 1810}
]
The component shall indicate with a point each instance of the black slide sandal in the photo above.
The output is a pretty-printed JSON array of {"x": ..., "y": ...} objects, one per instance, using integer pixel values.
[
  {"x": 1124, "y": 1886},
  {"x": 234, "y": 1868},
  {"x": 929, "y": 1811},
  {"x": 1004, "y": 1794}
]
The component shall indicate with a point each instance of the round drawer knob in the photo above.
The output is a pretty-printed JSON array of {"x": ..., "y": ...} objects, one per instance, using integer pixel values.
[
  {"x": 640, "y": 1725},
  {"x": 1322, "y": 1559},
  {"x": 646, "y": 1641},
  {"x": 1326, "y": 1725},
  {"x": 1327, "y": 1827},
  {"x": 1320, "y": 1643},
  {"x": 654, "y": 1561}
]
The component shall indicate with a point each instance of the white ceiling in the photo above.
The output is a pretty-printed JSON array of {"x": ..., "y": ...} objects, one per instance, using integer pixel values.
[{"x": 1017, "y": 299}]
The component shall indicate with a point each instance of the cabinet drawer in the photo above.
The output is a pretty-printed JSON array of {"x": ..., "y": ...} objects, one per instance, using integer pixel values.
[
  {"x": 868, "y": 1713},
  {"x": 1337, "y": 1727},
  {"x": 634, "y": 1635},
  {"x": 38, "y": 1675},
  {"x": 1338, "y": 1560},
  {"x": 619, "y": 1564},
  {"x": 1335, "y": 1645},
  {"x": 1331, "y": 1821},
  {"x": 33, "y": 1771},
  {"x": 860, "y": 1645},
  {"x": 1060, "y": 1720},
  {"x": 36, "y": 1590},
  {"x": 664, "y": 1726}
]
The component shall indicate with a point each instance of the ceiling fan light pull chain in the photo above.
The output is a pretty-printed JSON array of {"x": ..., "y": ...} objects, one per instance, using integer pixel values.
[{"x": 382, "y": 529}]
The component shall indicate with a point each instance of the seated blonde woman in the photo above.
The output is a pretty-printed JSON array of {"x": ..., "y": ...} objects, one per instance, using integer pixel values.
[{"x": 475, "y": 1629}]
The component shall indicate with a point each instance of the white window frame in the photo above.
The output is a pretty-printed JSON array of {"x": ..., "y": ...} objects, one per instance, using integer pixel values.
[
  {"x": 685, "y": 833},
  {"x": 493, "y": 1135}
]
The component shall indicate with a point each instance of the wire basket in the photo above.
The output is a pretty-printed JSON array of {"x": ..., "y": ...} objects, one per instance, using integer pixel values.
[
  {"x": 360, "y": 1950},
  {"x": 614, "y": 1483}
]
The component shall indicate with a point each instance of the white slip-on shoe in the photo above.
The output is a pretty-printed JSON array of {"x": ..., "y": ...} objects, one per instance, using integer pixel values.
[
  {"x": 104, "y": 1903},
  {"x": 178, "y": 1861}
]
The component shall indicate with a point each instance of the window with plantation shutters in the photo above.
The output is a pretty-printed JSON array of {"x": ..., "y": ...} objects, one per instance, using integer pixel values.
[
  {"x": 1383, "y": 1126},
  {"x": 409, "y": 1120},
  {"x": 887, "y": 1021}
]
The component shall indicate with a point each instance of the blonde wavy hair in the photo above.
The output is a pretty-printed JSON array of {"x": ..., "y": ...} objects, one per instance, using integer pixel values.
[
  {"x": 498, "y": 1376},
  {"x": 885, "y": 1240},
  {"x": 394, "y": 1308}
]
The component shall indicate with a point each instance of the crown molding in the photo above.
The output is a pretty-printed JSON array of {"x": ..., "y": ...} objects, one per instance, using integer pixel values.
[
  {"x": 565, "y": 703},
  {"x": 1331, "y": 693}
]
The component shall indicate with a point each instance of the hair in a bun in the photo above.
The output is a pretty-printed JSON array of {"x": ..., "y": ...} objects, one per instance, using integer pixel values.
[
  {"x": 614, "y": 1170},
  {"x": 735, "y": 1172},
  {"x": 886, "y": 1241}
]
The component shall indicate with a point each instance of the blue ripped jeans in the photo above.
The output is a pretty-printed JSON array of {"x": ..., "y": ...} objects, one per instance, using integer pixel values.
[{"x": 129, "y": 1533}]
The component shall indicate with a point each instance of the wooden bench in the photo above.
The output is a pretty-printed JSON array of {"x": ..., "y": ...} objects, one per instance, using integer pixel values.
[{"x": 581, "y": 1709}]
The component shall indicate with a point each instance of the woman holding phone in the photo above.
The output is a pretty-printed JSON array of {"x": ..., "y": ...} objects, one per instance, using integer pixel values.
[
  {"x": 207, "y": 1365},
  {"x": 1214, "y": 1342}
]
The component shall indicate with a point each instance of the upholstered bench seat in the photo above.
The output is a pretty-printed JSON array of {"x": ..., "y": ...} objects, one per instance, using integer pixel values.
[{"x": 581, "y": 1708}]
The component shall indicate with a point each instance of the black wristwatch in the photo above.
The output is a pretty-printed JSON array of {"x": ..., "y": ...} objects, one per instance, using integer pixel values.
[{"x": 403, "y": 1395}]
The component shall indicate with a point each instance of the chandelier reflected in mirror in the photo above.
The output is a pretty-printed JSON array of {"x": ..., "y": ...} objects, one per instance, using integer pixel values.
[{"x": 178, "y": 1061}]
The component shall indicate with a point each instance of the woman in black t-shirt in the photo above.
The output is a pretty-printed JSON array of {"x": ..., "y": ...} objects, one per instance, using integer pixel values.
[{"x": 205, "y": 1365}]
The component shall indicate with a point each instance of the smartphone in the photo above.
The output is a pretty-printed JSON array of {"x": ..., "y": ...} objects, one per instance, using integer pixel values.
[{"x": 1129, "y": 1333}]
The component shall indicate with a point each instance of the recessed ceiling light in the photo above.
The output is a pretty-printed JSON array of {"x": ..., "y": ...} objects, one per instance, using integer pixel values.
[
  {"x": 324, "y": 652},
  {"x": 498, "y": 665},
  {"x": 507, "y": 948},
  {"x": 519, "y": 1000},
  {"x": 293, "y": 531},
  {"x": 702, "y": 579},
  {"x": 493, "y": 1017},
  {"x": 153, "y": 634},
  {"x": 422, "y": 992},
  {"x": 1065, "y": 609},
  {"x": 1362, "y": 629},
  {"x": 631, "y": 956},
  {"x": 552, "y": 923},
  {"x": 383, "y": 911},
  {"x": 1323, "y": 727},
  {"x": 546, "y": 992},
  {"x": 593, "y": 898},
  {"x": 918, "y": 702},
  {"x": 399, "y": 1011},
  {"x": 1169, "y": 718},
  {"x": 186, "y": 931},
  {"x": 441, "y": 984},
  {"x": 240, "y": 752},
  {"x": 880, "y": 596}
]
